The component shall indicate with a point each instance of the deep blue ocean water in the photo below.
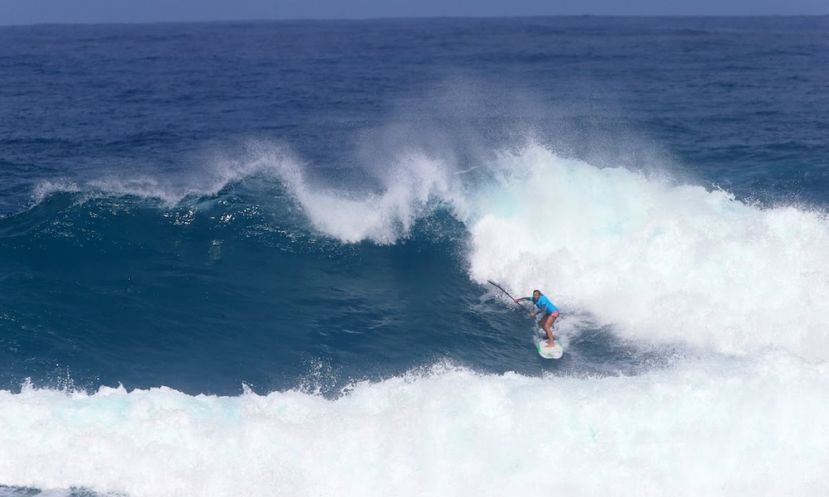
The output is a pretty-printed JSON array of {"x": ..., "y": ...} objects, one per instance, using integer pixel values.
[{"x": 306, "y": 205}]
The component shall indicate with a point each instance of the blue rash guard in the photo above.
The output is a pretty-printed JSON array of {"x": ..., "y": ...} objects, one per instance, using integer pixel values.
[{"x": 546, "y": 305}]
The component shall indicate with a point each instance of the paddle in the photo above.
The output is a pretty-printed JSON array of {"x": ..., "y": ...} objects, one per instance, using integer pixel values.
[{"x": 499, "y": 287}]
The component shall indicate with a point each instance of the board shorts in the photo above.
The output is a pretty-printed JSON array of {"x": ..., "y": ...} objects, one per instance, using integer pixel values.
[{"x": 555, "y": 315}]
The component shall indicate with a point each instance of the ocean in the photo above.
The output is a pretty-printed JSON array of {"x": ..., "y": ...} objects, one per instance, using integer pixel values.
[{"x": 251, "y": 258}]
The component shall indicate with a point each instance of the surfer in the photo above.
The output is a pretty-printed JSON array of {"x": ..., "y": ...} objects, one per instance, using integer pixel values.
[{"x": 550, "y": 311}]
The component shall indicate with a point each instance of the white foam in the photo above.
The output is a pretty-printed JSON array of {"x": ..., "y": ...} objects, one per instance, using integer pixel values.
[
  {"x": 753, "y": 429},
  {"x": 660, "y": 262}
]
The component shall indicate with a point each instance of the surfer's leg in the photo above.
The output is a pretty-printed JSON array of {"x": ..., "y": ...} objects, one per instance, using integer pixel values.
[{"x": 548, "y": 329}]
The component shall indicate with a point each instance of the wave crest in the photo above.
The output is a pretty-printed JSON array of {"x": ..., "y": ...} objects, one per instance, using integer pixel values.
[{"x": 659, "y": 261}]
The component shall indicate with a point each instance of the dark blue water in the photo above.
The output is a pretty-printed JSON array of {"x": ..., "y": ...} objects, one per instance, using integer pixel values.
[{"x": 144, "y": 242}]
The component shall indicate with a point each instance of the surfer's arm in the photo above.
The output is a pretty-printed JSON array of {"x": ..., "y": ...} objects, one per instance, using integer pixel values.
[{"x": 524, "y": 299}]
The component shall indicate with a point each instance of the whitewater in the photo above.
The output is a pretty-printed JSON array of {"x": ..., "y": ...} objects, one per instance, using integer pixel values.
[{"x": 704, "y": 427}]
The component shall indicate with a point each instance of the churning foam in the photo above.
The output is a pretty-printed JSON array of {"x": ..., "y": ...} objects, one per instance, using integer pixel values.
[
  {"x": 754, "y": 428},
  {"x": 659, "y": 262}
]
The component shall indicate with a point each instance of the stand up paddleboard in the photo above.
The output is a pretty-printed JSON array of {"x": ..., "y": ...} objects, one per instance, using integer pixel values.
[
  {"x": 554, "y": 352},
  {"x": 545, "y": 351}
]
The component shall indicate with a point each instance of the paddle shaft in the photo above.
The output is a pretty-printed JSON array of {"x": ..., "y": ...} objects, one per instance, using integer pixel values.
[{"x": 499, "y": 287}]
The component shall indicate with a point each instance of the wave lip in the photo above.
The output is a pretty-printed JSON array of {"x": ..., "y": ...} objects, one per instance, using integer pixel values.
[
  {"x": 409, "y": 189},
  {"x": 205, "y": 180},
  {"x": 45, "y": 188}
]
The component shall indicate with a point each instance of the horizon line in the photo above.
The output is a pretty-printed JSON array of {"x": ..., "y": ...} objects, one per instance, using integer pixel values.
[{"x": 410, "y": 18}]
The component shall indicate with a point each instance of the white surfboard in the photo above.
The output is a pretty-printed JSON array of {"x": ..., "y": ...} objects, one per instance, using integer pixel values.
[{"x": 545, "y": 351}]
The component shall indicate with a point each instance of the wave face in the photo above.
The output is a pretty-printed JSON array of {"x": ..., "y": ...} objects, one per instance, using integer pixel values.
[{"x": 252, "y": 259}]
